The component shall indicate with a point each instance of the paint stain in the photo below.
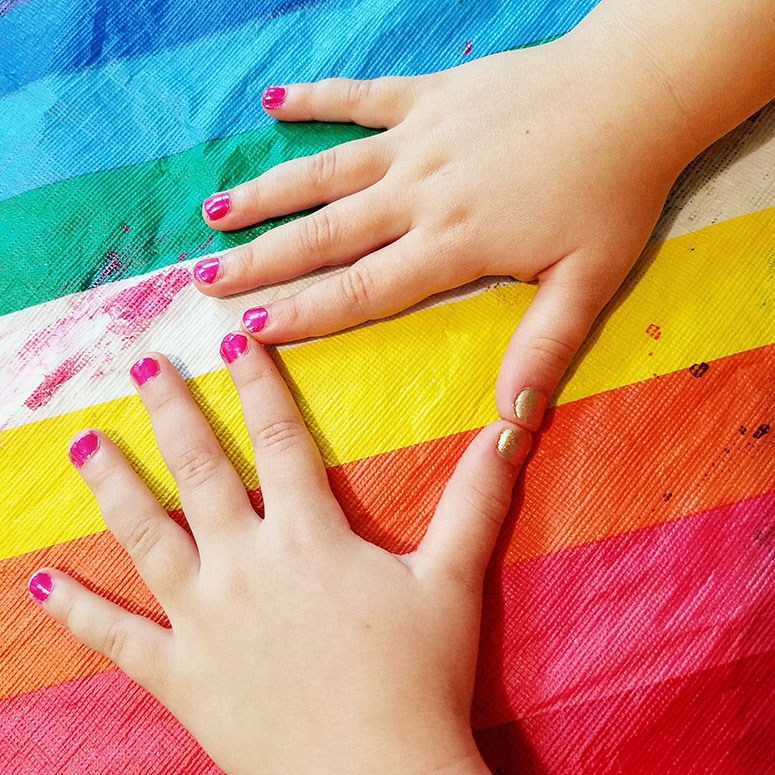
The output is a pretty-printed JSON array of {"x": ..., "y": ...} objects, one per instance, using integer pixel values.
[
  {"x": 51, "y": 384},
  {"x": 667, "y": 496},
  {"x": 111, "y": 265},
  {"x": 125, "y": 228},
  {"x": 133, "y": 309},
  {"x": 654, "y": 331},
  {"x": 743, "y": 430},
  {"x": 467, "y": 48},
  {"x": 124, "y": 315},
  {"x": 766, "y": 539},
  {"x": 762, "y": 430},
  {"x": 698, "y": 369}
]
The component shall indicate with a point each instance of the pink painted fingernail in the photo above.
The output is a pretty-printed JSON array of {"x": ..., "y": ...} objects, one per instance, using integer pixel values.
[
  {"x": 232, "y": 346},
  {"x": 273, "y": 97},
  {"x": 40, "y": 586},
  {"x": 83, "y": 448},
  {"x": 255, "y": 319},
  {"x": 217, "y": 205},
  {"x": 145, "y": 369},
  {"x": 206, "y": 270}
]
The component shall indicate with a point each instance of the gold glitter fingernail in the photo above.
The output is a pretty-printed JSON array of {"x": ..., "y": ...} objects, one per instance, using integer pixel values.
[
  {"x": 510, "y": 443},
  {"x": 529, "y": 408}
]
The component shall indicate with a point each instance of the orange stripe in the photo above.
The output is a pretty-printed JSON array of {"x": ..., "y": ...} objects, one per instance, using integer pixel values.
[{"x": 639, "y": 455}]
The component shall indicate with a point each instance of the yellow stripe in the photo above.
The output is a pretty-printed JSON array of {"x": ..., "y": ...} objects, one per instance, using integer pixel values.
[{"x": 424, "y": 375}]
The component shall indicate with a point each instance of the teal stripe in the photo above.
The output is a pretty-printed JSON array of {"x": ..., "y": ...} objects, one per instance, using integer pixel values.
[
  {"x": 102, "y": 227},
  {"x": 134, "y": 110}
]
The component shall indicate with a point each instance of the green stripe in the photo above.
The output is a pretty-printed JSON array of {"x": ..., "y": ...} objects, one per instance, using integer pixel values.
[{"x": 101, "y": 227}]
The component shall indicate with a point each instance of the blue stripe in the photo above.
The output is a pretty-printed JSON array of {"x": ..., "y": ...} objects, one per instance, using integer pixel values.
[
  {"x": 136, "y": 110},
  {"x": 89, "y": 33}
]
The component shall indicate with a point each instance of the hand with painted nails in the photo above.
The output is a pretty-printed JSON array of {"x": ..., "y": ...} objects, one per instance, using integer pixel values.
[
  {"x": 497, "y": 167},
  {"x": 549, "y": 164},
  {"x": 293, "y": 645}
]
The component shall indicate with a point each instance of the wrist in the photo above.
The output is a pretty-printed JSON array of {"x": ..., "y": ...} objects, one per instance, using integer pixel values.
[{"x": 627, "y": 93}]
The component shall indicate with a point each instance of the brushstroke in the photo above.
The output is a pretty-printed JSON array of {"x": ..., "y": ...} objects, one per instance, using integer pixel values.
[{"x": 108, "y": 321}]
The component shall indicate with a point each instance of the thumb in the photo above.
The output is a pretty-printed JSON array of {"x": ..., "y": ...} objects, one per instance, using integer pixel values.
[
  {"x": 546, "y": 340},
  {"x": 463, "y": 531}
]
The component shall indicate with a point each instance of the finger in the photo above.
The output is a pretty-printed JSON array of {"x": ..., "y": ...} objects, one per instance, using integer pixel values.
[
  {"x": 141, "y": 648},
  {"x": 288, "y": 463},
  {"x": 544, "y": 343},
  {"x": 469, "y": 516},
  {"x": 164, "y": 554},
  {"x": 380, "y": 103},
  {"x": 380, "y": 284},
  {"x": 299, "y": 184},
  {"x": 211, "y": 493},
  {"x": 336, "y": 234}
]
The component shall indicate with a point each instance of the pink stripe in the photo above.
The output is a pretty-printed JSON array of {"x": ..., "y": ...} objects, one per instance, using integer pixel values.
[
  {"x": 648, "y": 606},
  {"x": 578, "y": 628},
  {"x": 717, "y": 722}
]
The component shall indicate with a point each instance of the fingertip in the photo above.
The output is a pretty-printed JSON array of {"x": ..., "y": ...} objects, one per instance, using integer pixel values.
[
  {"x": 513, "y": 445},
  {"x": 40, "y": 585},
  {"x": 82, "y": 447},
  {"x": 273, "y": 98},
  {"x": 233, "y": 346},
  {"x": 216, "y": 206}
]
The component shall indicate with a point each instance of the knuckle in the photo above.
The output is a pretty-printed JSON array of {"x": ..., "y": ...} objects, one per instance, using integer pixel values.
[
  {"x": 143, "y": 539},
  {"x": 554, "y": 352},
  {"x": 356, "y": 92},
  {"x": 114, "y": 642},
  {"x": 318, "y": 232},
  {"x": 320, "y": 169},
  {"x": 278, "y": 436},
  {"x": 196, "y": 465},
  {"x": 484, "y": 503},
  {"x": 356, "y": 287}
]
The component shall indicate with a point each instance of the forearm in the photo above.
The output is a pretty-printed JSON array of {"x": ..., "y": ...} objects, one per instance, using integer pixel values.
[{"x": 680, "y": 73}]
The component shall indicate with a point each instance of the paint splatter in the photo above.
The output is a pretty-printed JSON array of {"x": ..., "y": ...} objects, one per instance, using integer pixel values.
[
  {"x": 125, "y": 314},
  {"x": 466, "y": 48},
  {"x": 46, "y": 390},
  {"x": 762, "y": 430},
  {"x": 698, "y": 369},
  {"x": 111, "y": 265},
  {"x": 654, "y": 331}
]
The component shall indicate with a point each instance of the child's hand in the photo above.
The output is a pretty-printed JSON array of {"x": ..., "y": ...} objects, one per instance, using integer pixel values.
[
  {"x": 504, "y": 166},
  {"x": 295, "y": 646}
]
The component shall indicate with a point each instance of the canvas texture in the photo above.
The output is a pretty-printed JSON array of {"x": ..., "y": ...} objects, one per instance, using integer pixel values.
[{"x": 629, "y": 610}]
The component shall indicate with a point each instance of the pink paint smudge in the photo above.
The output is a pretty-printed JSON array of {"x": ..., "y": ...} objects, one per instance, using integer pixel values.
[
  {"x": 466, "y": 48},
  {"x": 133, "y": 310},
  {"x": 125, "y": 228},
  {"x": 113, "y": 265},
  {"x": 46, "y": 390},
  {"x": 130, "y": 313}
]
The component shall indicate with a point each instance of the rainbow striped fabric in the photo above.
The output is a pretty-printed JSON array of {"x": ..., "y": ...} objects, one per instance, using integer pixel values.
[{"x": 629, "y": 618}]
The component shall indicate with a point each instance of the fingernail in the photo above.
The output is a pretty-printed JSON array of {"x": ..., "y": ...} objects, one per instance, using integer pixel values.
[
  {"x": 511, "y": 444},
  {"x": 83, "y": 448},
  {"x": 206, "y": 270},
  {"x": 217, "y": 205},
  {"x": 144, "y": 369},
  {"x": 232, "y": 346},
  {"x": 530, "y": 407},
  {"x": 273, "y": 97},
  {"x": 40, "y": 586},
  {"x": 255, "y": 319}
]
